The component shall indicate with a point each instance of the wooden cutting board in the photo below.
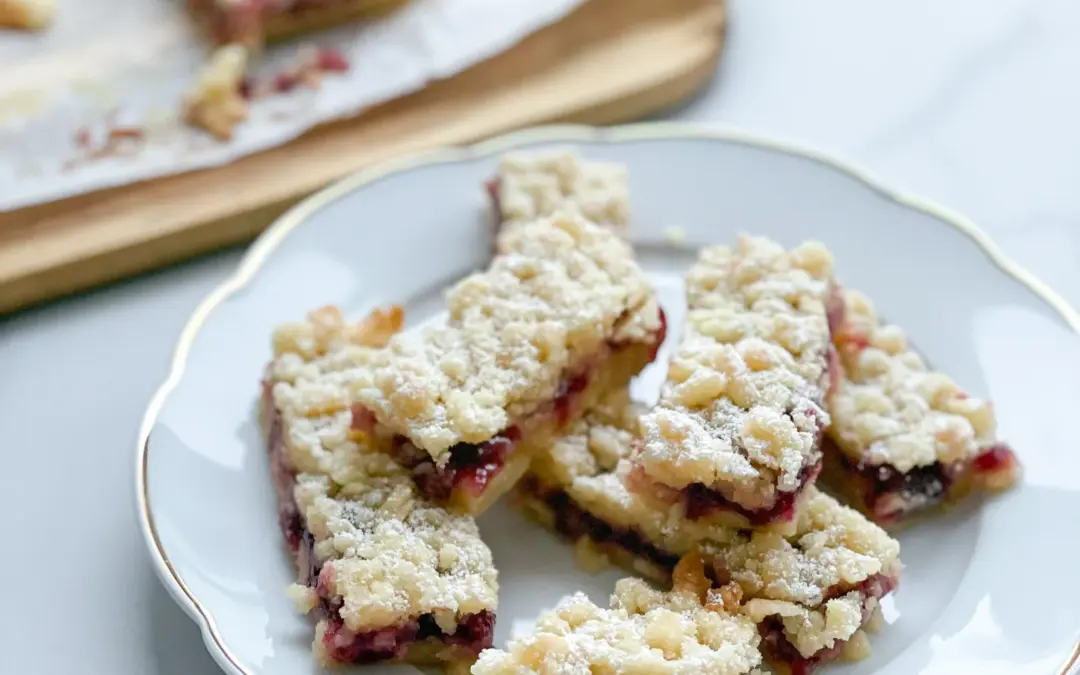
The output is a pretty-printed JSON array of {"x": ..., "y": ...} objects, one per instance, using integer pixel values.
[{"x": 610, "y": 61}]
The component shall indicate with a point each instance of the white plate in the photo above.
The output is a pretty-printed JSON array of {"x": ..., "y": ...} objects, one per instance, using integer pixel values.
[{"x": 990, "y": 590}]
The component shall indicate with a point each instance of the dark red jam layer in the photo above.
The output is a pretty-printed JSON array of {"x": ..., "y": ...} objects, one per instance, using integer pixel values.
[
  {"x": 573, "y": 522},
  {"x": 922, "y": 487},
  {"x": 474, "y": 633},
  {"x": 995, "y": 459},
  {"x": 778, "y": 649},
  {"x": 702, "y": 501},
  {"x": 473, "y": 466},
  {"x": 879, "y": 485}
]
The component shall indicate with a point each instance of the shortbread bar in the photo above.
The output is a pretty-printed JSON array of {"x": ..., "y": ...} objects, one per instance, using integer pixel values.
[
  {"x": 903, "y": 437},
  {"x": 562, "y": 317},
  {"x": 737, "y": 429},
  {"x": 531, "y": 186},
  {"x": 811, "y": 592},
  {"x": 387, "y": 575},
  {"x": 253, "y": 22},
  {"x": 691, "y": 630}
]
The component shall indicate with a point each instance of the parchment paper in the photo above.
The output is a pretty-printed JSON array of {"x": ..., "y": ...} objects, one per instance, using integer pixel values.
[{"x": 108, "y": 64}]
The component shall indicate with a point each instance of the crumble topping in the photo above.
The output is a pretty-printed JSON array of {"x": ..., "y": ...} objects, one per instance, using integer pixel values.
[
  {"x": 591, "y": 464},
  {"x": 541, "y": 185},
  {"x": 559, "y": 292},
  {"x": 834, "y": 547},
  {"x": 215, "y": 102},
  {"x": 388, "y": 554},
  {"x": 325, "y": 344},
  {"x": 889, "y": 408},
  {"x": 315, "y": 360},
  {"x": 788, "y": 575},
  {"x": 742, "y": 407},
  {"x": 326, "y": 331},
  {"x": 26, "y": 14},
  {"x": 645, "y": 632},
  {"x": 811, "y": 630}
]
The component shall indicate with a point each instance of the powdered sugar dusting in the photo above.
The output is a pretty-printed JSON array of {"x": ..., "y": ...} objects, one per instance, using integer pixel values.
[
  {"x": 645, "y": 631},
  {"x": 781, "y": 573},
  {"x": 387, "y": 556},
  {"x": 889, "y": 408},
  {"x": 555, "y": 295},
  {"x": 742, "y": 408},
  {"x": 541, "y": 185}
]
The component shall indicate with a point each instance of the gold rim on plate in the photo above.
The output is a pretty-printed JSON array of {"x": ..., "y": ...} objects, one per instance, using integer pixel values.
[{"x": 272, "y": 237}]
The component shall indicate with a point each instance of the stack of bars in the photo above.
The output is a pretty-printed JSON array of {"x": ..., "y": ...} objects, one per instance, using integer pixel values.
[{"x": 385, "y": 445}]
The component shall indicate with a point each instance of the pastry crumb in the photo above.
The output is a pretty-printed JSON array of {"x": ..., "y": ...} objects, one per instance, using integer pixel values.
[
  {"x": 644, "y": 631},
  {"x": 528, "y": 187},
  {"x": 742, "y": 407},
  {"x": 215, "y": 102},
  {"x": 303, "y": 597},
  {"x": 675, "y": 235}
]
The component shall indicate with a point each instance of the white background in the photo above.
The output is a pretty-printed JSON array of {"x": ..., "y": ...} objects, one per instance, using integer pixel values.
[{"x": 970, "y": 103}]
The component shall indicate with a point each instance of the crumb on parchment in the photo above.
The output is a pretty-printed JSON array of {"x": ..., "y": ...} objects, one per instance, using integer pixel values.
[{"x": 215, "y": 103}]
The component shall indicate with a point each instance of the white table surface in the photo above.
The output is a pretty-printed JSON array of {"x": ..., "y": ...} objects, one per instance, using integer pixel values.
[{"x": 973, "y": 104}]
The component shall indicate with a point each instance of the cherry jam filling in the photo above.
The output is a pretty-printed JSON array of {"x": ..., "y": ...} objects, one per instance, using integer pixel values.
[
  {"x": 778, "y": 649},
  {"x": 473, "y": 466},
  {"x": 702, "y": 501},
  {"x": 995, "y": 459},
  {"x": 921, "y": 487},
  {"x": 889, "y": 494},
  {"x": 574, "y": 522},
  {"x": 473, "y": 633}
]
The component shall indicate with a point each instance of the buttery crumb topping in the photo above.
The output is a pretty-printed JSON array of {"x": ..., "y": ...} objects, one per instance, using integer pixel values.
[
  {"x": 792, "y": 576},
  {"x": 646, "y": 632},
  {"x": 742, "y": 407},
  {"x": 389, "y": 555},
  {"x": 889, "y": 408},
  {"x": 557, "y": 295},
  {"x": 541, "y": 185},
  {"x": 314, "y": 362}
]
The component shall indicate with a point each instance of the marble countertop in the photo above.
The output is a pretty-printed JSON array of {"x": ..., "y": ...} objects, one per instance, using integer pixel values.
[{"x": 971, "y": 104}]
